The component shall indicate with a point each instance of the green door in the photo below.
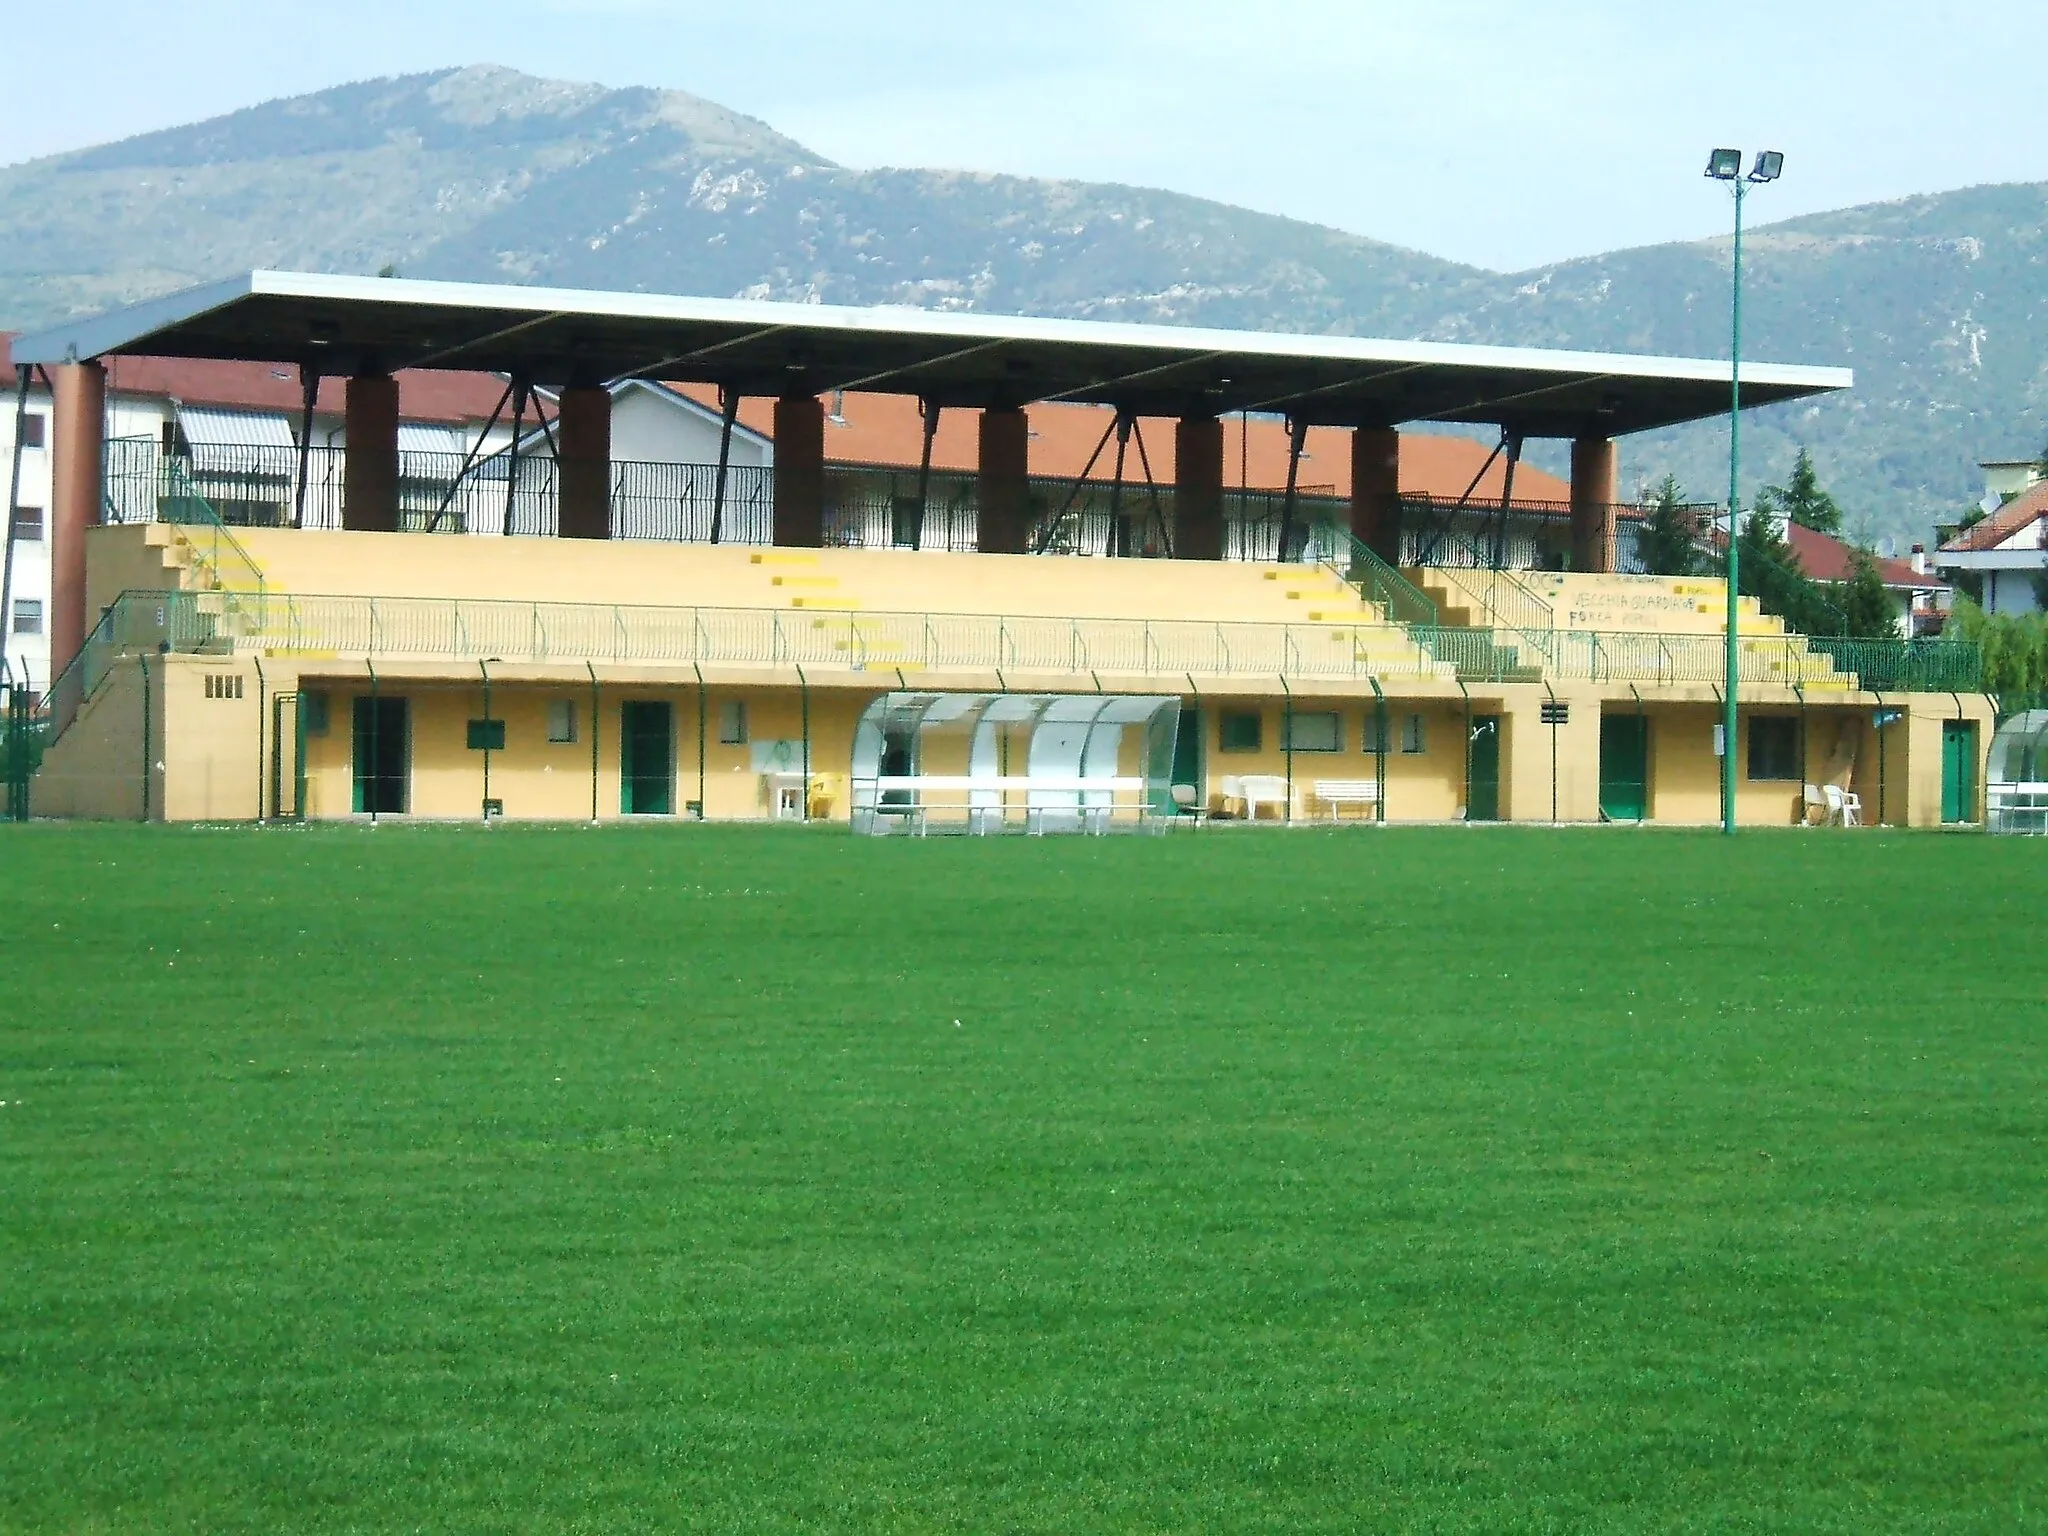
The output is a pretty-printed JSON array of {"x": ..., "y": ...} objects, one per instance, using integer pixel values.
[
  {"x": 647, "y": 759},
  {"x": 1958, "y": 771},
  {"x": 1482, "y": 802},
  {"x": 1624, "y": 767},
  {"x": 382, "y": 751}
]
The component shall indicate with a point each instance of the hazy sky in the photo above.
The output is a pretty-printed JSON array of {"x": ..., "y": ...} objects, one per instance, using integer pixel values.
[{"x": 1504, "y": 134}]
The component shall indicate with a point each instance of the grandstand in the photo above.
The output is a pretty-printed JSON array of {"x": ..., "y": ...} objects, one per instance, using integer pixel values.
[{"x": 237, "y": 672}]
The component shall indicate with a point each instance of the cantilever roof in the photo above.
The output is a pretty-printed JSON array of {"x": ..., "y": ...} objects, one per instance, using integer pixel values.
[{"x": 554, "y": 335}]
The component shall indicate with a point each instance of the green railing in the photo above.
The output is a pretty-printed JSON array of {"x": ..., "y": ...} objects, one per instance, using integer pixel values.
[
  {"x": 1910, "y": 666},
  {"x": 1505, "y": 601},
  {"x": 143, "y": 484},
  {"x": 1340, "y": 551}
]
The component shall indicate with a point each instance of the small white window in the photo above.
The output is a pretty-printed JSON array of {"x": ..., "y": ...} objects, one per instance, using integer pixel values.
[
  {"x": 28, "y": 616},
  {"x": 561, "y": 720},
  {"x": 1412, "y": 739},
  {"x": 28, "y": 525},
  {"x": 732, "y": 723}
]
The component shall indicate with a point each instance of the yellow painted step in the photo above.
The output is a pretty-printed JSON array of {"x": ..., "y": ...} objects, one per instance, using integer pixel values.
[
  {"x": 833, "y": 604},
  {"x": 803, "y": 581},
  {"x": 781, "y": 557}
]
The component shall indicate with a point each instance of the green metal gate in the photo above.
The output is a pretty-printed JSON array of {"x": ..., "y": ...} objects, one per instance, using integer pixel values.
[
  {"x": 1958, "y": 771},
  {"x": 647, "y": 761},
  {"x": 1482, "y": 772},
  {"x": 1624, "y": 767}
]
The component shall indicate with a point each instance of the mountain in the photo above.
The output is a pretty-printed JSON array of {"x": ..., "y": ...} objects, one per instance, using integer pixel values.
[{"x": 482, "y": 173}]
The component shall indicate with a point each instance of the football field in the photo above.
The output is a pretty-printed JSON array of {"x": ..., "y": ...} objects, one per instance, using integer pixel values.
[{"x": 773, "y": 1180}]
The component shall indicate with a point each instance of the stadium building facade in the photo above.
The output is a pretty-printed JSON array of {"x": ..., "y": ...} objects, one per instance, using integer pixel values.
[{"x": 919, "y": 646}]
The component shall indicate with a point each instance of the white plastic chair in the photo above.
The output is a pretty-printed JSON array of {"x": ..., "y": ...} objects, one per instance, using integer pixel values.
[
  {"x": 1815, "y": 806},
  {"x": 1844, "y": 809}
]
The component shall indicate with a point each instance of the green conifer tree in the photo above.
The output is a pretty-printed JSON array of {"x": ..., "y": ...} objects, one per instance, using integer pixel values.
[
  {"x": 1802, "y": 500},
  {"x": 1868, "y": 611},
  {"x": 1668, "y": 542}
]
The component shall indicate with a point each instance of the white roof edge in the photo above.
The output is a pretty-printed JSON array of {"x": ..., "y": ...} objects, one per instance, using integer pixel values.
[
  {"x": 125, "y": 327},
  {"x": 94, "y": 334}
]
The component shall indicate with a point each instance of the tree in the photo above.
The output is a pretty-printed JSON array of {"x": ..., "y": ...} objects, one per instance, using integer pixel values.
[
  {"x": 2015, "y": 650},
  {"x": 1668, "y": 542},
  {"x": 1801, "y": 499},
  {"x": 1868, "y": 611},
  {"x": 1771, "y": 573}
]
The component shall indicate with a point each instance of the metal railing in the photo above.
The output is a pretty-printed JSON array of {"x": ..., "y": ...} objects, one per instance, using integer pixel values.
[
  {"x": 143, "y": 485},
  {"x": 464, "y": 630},
  {"x": 395, "y": 628}
]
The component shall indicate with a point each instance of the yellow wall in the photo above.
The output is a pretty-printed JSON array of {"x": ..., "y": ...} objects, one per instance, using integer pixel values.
[
  {"x": 536, "y": 779},
  {"x": 1429, "y": 786},
  {"x": 95, "y": 770}
]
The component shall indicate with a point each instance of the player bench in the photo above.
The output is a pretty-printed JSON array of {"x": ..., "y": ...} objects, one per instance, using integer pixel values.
[{"x": 1338, "y": 793}]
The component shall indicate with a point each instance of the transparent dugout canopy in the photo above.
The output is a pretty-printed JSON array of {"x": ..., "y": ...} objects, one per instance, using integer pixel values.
[{"x": 986, "y": 762}]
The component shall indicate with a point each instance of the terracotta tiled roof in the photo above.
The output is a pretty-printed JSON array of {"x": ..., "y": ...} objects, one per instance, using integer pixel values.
[
  {"x": 2014, "y": 517},
  {"x": 1829, "y": 559},
  {"x": 886, "y": 430},
  {"x": 423, "y": 395}
]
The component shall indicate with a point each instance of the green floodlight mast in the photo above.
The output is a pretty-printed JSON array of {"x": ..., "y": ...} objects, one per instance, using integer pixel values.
[{"x": 1726, "y": 165}]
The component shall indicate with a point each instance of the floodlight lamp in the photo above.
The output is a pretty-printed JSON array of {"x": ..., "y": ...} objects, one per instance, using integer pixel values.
[
  {"x": 1770, "y": 165},
  {"x": 1725, "y": 164}
]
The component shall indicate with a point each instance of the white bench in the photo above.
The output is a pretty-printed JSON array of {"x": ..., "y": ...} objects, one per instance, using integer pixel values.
[
  {"x": 984, "y": 800},
  {"x": 2018, "y": 807},
  {"x": 1338, "y": 793}
]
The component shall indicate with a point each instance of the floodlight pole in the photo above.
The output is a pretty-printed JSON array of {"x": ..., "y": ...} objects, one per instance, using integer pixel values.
[{"x": 1733, "y": 657}]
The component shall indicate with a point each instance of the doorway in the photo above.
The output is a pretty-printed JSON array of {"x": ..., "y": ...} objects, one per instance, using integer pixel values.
[
  {"x": 383, "y": 755},
  {"x": 1624, "y": 767},
  {"x": 647, "y": 758},
  {"x": 1482, "y": 769},
  {"x": 1958, "y": 771}
]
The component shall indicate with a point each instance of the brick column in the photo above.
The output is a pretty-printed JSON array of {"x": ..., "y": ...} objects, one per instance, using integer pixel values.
[
  {"x": 1595, "y": 482},
  {"x": 1376, "y": 491},
  {"x": 1198, "y": 488},
  {"x": 583, "y": 438},
  {"x": 77, "y": 492},
  {"x": 800, "y": 471},
  {"x": 1003, "y": 484},
  {"x": 369, "y": 475}
]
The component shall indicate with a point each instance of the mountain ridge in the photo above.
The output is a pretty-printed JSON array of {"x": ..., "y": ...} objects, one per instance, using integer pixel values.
[{"x": 483, "y": 173}]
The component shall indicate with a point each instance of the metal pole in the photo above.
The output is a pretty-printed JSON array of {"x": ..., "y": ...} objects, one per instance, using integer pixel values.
[
  {"x": 485, "y": 668},
  {"x": 596, "y": 715},
  {"x": 929, "y": 410},
  {"x": 1733, "y": 666},
  {"x": 309, "y": 387},
  {"x": 728, "y": 410}
]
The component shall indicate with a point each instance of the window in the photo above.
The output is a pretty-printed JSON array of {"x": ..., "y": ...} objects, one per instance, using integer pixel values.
[
  {"x": 34, "y": 430},
  {"x": 1413, "y": 742},
  {"x": 1774, "y": 747},
  {"x": 486, "y": 735},
  {"x": 313, "y": 710},
  {"x": 28, "y": 616},
  {"x": 561, "y": 721},
  {"x": 223, "y": 685},
  {"x": 732, "y": 723},
  {"x": 28, "y": 525},
  {"x": 1316, "y": 731},
  {"x": 1238, "y": 730},
  {"x": 1374, "y": 741}
]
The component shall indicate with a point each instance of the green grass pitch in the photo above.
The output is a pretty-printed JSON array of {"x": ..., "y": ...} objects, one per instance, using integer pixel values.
[{"x": 774, "y": 1180}]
